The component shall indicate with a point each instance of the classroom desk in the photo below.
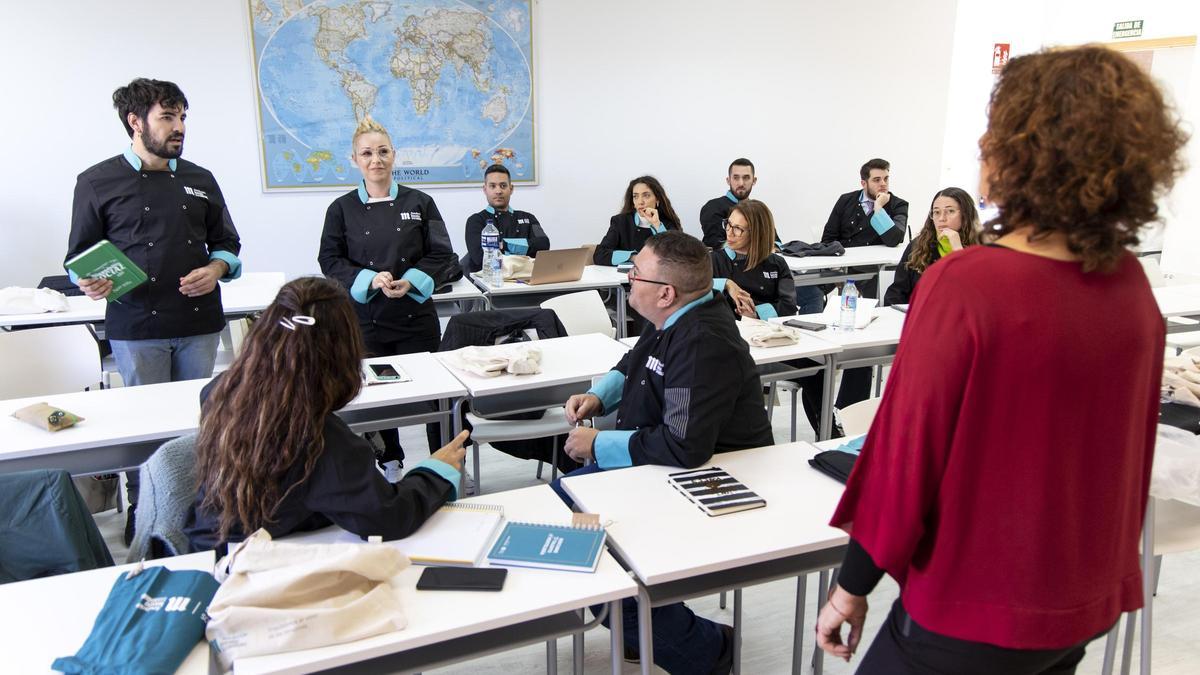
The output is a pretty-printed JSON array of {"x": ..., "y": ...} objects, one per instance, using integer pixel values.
[
  {"x": 446, "y": 627},
  {"x": 568, "y": 366},
  {"x": 51, "y": 617},
  {"x": 681, "y": 553},
  {"x": 828, "y": 269},
  {"x": 595, "y": 277},
  {"x": 1181, "y": 303},
  {"x": 125, "y": 425}
]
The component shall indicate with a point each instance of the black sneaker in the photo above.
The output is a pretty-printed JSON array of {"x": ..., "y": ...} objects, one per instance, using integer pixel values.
[
  {"x": 129, "y": 518},
  {"x": 632, "y": 655},
  {"x": 724, "y": 663}
]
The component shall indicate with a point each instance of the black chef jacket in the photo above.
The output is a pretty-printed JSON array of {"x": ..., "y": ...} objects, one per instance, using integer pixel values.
[
  {"x": 851, "y": 226},
  {"x": 712, "y": 219},
  {"x": 520, "y": 234},
  {"x": 770, "y": 284},
  {"x": 404, "y": 235},
  {"x": 687, "y": 391},
  {"x": 168, "y": 223},
  {"x": 624, "y": 238}
]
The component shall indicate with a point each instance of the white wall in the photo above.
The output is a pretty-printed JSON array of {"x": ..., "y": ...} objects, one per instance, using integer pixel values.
[{"x": 676, "y": 88}]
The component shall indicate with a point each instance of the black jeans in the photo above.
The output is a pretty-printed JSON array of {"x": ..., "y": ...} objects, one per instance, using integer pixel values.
[
  {"x": 902, "y": 646},
  {"x": 391, "y": 437}
]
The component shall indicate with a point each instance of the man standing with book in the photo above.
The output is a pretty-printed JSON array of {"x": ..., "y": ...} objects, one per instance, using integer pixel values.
[
  {"x": 168, "y": 216},
  {"x": 686, "y": 390}
]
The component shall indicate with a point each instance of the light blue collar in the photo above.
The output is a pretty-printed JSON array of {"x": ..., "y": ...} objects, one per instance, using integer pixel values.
[
  {"x": 862, "y": 197},
  {"x": 136, "y": 162},
  {"x": 364, "y": 197},
  {"x": 731, "y": 197},
  {"x": 684, "y": 310},
  {"x": 492, "y": 210},
  {"x": 731, "y": 253},
  {"x": 637, "y": 221}
]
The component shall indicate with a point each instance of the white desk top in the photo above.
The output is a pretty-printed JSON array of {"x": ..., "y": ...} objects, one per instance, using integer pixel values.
[
  {"x": 445, "y": 615},
  {"x": 680, "y": 541},
  {"x": 883, "y": 330},
  {"x": 565, "y": 360},
  {"x": 809, "y": 346},
  {"x": 594, "y": 276},
  {"x": 855, "y": 255},
  {"x": 462, "y": 289},
  {"x": 1181, "y": 300},
  {"x": 126, "y": 415},
  {"x": 56, "y": 615}
]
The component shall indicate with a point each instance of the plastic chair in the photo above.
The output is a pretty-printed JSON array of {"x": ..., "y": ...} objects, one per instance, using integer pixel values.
[
  {"x": 484, "y": 430},
  {"x": 856, "y": 419},
  {"x": 55, "y": 360},
  {"x": 581, "y": 313}
]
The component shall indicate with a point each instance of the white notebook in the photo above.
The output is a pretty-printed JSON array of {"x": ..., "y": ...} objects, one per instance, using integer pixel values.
[{"x": 457, "y": 534}]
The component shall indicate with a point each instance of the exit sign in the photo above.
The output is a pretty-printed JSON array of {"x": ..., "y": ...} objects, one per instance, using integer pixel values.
[{"x": 1125, "y": 29}]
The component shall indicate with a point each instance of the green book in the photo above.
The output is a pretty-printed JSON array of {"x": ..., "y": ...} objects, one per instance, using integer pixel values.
[{"x": 103, "y": 260}]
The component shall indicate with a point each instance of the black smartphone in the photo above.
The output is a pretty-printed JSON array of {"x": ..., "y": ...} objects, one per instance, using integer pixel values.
[
  {"x": 804, "y": 325},
  {"x": 462, "y": 579},
  {"x": 384, "y": 371}
]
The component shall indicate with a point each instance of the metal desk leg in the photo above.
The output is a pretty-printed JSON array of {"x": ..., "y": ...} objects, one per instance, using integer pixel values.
[
  {"x": 878, "y": 380},
  {"x": 621, "y": 304},
  {"x": 795, "y": 400},
  {"x": 1127, "y": 648},
  {"x": 1110, "y": 649},
  {"x": 1147, "y": 585},
  {"x": 645, "y": 631},
  {"x": 826, "y": 429},
  {"x": 577, "y": 648},
  {"x": 551, "y": 657},
  {"x": 798, "y": 632},
  {"x": 737, "y": 631},
  {"x": 722, "y": 600},
  {"x": 616, "y": 629}
]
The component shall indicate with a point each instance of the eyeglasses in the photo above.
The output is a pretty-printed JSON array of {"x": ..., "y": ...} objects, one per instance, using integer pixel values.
[
  {"x": 634, "y": 275},
  {"x": 937, "y": 214},
  {"x": 733, "y": 229}
]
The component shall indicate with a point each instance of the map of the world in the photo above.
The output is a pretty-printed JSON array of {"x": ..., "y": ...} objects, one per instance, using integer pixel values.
[{"x": 450, "y": 79}]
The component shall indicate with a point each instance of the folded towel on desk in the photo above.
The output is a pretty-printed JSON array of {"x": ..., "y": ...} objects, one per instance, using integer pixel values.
[
  {"x": 517, "y": 359},
  {"x": 17, "y": 300},
  {"x": 758, "y": 333}
]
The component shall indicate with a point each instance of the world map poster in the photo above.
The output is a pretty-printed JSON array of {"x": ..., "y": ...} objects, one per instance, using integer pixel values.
[{"x": 451, "y": 80}]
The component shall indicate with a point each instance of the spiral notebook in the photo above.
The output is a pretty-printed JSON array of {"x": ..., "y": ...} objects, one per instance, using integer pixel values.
[
  {"x": 714, "y": 491},
  {"x": 456, "y": 535},
  {"x": 574, "y": 548}
]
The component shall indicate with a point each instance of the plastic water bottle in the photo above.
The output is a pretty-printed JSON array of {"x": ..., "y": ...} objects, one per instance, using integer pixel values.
[
  {"x": 490, "y": 240},
  {"x": 849, "y": 304}
]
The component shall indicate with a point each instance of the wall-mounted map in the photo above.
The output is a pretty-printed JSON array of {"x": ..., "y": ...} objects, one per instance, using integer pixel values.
[{"x": 451, "y": 80}]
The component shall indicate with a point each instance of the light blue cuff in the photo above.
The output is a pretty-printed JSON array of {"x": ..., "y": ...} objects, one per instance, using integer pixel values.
[
  {"x": 611, "y": 449},
  {"x": 881, "y": 222},
  {"x": 443, "y": 470},
  {"x": 73, "y": 277},
  {"x": 517, "y": 246},
  {"x": 853, "y": 446},
  {"x": 235, "y": 265},
  {"x": 766, "y": 311},
  {"x": 609, "y": 390},
  {"x": 361, "y": 290},
  {"x": 422, "y": 284},
  {"x": 619, "y": 257},
  {"x": 719, "y": 284}
]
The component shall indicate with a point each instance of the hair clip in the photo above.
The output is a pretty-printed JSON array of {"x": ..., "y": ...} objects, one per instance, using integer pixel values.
[{"x": 301, "y": 319}]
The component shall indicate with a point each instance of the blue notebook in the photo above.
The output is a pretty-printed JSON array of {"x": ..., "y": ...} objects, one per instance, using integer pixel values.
[{"x": 551, "y": 547}]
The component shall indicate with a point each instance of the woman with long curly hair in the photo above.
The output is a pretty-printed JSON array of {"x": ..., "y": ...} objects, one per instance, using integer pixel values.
[
  {"x": 952, "y": 225},
  {"x": 271, "y": 452},
  {"x": 645, "y": 212},
  {"x": 1004, "y": 480}
]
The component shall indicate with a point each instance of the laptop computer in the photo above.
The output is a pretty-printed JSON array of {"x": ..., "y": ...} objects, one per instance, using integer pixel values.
[{"x": 551, "y": 267}]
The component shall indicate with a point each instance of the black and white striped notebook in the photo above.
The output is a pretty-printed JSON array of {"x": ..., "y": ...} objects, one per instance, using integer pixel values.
[{"x": 715, "y": 491}]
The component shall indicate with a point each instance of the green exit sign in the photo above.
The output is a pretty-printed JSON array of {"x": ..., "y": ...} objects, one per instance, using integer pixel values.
[{"x": 1126, "y": 29}]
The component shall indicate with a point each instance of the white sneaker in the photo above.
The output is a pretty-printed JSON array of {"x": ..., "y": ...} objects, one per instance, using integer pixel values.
[
  {"x": 393, "y": 471},
  {"x": 471, "y": 488}
]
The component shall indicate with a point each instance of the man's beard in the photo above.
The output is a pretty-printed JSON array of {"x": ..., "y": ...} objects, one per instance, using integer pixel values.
[
  {"x": 162, "y": 149},
  {"x": 741, "y": 193}
]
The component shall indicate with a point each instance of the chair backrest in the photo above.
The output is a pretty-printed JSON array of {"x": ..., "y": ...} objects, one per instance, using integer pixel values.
[
  {"x": 56, "y": 360},
  {"x": 1153, "y": 271},
  {"x": 581, "y": 313},
  {"x": 1176, "y": 526},
  {"x": 856, "y": 419},
  {"x": 168, "y": 487}
]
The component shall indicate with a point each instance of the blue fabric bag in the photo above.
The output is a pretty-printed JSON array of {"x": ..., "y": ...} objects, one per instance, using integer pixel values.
[{"x": 150, "y": 622}]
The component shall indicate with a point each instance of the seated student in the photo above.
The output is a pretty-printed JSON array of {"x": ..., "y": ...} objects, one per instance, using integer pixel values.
[
  {"x": 520, "y": 231},
  {"x": 677, "y": 394},
  {"x": 952, "y": 224},
  {"x": 645, "y": 212},
  {"x": 271, "y": 453},
  {"x": 741, "y": 179}
]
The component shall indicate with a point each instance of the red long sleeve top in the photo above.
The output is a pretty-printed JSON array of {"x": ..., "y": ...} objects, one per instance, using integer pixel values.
[{"x": 1005, "y": 476}]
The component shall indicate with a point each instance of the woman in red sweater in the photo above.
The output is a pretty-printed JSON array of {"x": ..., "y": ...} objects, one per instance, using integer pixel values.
[{"x": 1005, "y": 477}]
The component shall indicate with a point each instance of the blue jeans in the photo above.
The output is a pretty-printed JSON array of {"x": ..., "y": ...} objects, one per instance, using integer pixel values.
[
  {"x": 809, "y": 300},
  {"x": 683, "y": 642},
  {"x": 157, "y": 361}
]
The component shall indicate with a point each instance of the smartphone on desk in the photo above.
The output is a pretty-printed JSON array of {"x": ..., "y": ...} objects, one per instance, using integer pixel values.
[
  {"x": 462, "y": 579},
  {"x": 804, "y": 325}
]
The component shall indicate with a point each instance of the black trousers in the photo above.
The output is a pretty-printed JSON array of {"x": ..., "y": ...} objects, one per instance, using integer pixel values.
[
  {"x": 902, "y": 646},
  {"x": 433, "y": 430},
  {"x": 856, "y": 382}
]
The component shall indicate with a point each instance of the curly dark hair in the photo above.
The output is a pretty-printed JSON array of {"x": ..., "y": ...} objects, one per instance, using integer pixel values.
[
  {"x": 666, "y": 214},
  {"x": 923, "y": 244},
  {"x": 1079, "y": 142},
  {"x": 140, "y": 95},
  {"x": 267, "y": 413}
]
